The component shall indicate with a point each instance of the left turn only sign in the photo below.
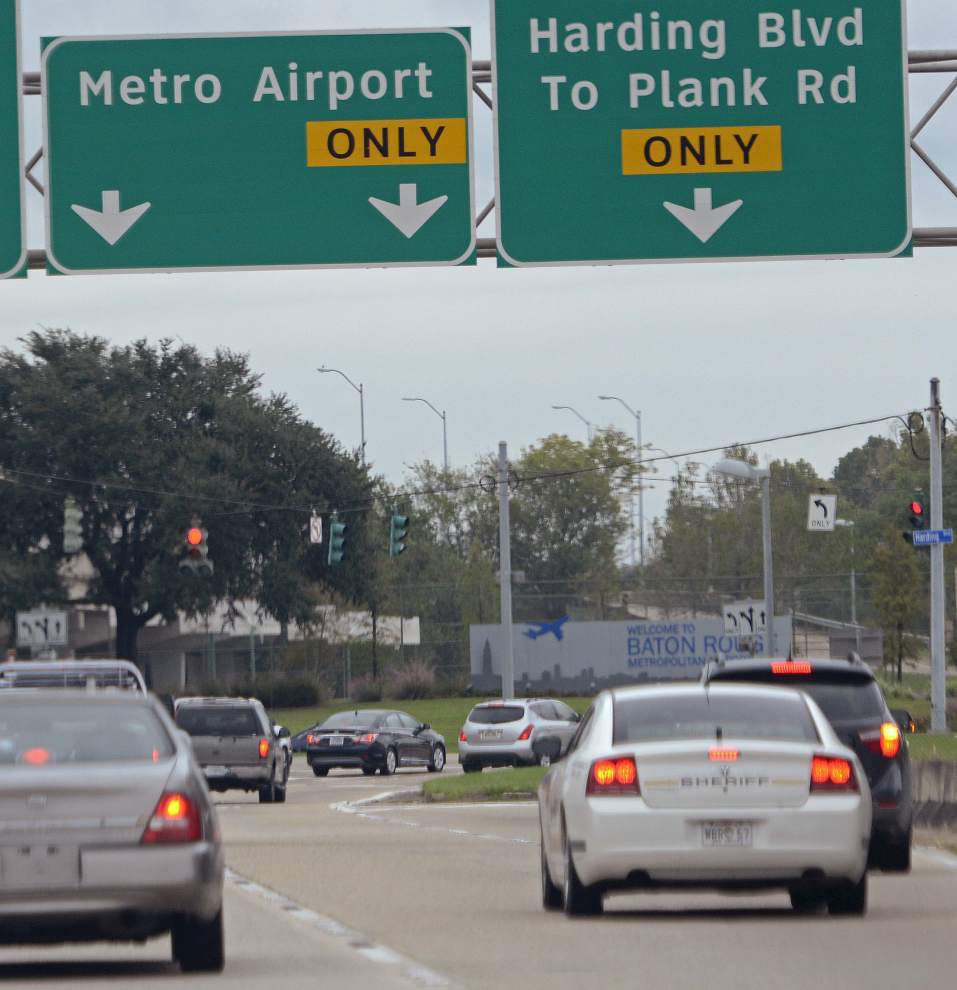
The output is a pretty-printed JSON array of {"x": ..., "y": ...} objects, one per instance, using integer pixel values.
[
  {"x": 12, "y": 212},
  {"x": 317, "y": 150}
]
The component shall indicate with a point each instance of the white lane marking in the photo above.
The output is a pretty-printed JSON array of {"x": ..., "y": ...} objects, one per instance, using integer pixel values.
[
  {"x": 354, "y": 808},
  {"x": 940, "y": 856},
  {"x": 363, "y": 944}
]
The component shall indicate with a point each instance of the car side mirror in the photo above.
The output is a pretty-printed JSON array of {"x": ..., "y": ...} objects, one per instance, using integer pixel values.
[
  {"x": 904, "y": 719},
  {"x": 548, "y": 749},
  {"x": 423, "y": 727},
  {"x": 576, "y": 717}
]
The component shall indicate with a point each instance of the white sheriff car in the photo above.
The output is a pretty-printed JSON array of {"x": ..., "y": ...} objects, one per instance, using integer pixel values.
[{"x": 729, "y": 786}]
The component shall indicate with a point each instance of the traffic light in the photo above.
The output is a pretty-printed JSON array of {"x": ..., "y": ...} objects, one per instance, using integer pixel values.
[
  {"x": 337, "y": 540},
  {"x": 197, "y": 551},
  {"x": 917, "y": 516},
  {"x": 72, "y": 526},
  {"x": 398, "y": 530}
]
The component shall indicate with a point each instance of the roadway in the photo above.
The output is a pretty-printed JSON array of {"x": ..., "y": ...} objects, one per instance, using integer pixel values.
[{"x": 333, "y": 886}]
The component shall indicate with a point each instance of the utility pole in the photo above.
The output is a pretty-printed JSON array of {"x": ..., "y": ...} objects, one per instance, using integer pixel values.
[
  {"x": 505, "y": 568},
  {"x": 771, "y": 645},
  {"x": 938, "y": 658}
]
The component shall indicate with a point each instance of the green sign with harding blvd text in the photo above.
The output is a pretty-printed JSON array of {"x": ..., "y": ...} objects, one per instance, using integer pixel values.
[
  {"x": 12, "y": 213},
  {"x": 704, "y": 130}
]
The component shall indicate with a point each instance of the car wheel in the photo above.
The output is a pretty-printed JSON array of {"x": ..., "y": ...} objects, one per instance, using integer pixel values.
[
  {"x": 198, "y": 945},
  {"x": 849, "y": 898},
  {"x": 806, "y": 901},
  {"x": 391, "y": 763},
  {"x": 579, "y": 899},
  {"x": 321, "y": 771},
  {"x": 267, "y": 794},
  {"x": 437, "y": 763},
  {"x": 544, "y": 760},
  {"x": 551, "y": 892},
  {"x": 471, "y": 768},
  {"x": 369, "y": 771},
  {"x": 895, "y": 856},
  {"x": 279, "y": 794}
]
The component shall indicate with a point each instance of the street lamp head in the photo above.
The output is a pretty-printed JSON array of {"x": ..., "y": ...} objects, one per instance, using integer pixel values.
[
  {"x": 605, "y": 397},
  {"x": 734, "y": 468}
]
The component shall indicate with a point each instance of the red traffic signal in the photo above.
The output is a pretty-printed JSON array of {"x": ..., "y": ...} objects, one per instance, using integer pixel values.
[
  {"x": 917, "y": 509},
  {"x": 194, "y": 536}
]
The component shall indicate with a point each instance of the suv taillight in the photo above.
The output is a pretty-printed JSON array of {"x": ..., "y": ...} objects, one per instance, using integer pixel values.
[
  {"x": 462, "y": 736},
  {"x": 832, "y": 774},
  {"x": 263, "y": 748},
  {"x": 526, "y": 733},
  {"x": 885, "y": 741},
  {"x": 175, "y": 819},
  {"x": 612, "y": 777}
]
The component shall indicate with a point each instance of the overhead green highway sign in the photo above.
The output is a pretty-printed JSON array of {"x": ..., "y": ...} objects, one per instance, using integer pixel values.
[
  {"x": 700, "y": 130},
  {"x": 210, "y": 152},
  {"x": 12, "y": 210}
]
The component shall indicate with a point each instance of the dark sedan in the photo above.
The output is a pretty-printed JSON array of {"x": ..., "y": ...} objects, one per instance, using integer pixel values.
[{"x": 374, "y": 739}]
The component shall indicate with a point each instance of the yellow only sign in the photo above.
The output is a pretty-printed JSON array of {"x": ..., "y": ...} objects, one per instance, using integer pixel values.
[
  {"x": 684, "y": 150},
  {"x": 331, "y": 143}
]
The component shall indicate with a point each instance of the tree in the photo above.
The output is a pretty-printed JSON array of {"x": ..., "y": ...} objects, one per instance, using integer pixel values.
[
  {"x": 145, "y": 438},
  {"x": 897, "y": 590}
]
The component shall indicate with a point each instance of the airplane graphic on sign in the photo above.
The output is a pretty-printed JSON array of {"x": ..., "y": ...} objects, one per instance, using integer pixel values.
[{"x": 544, "y": 628}]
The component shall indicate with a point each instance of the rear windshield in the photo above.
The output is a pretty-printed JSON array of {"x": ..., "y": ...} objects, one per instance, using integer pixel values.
[
  {"x": 350, "y": 720},
  {"x": 497, "y": 715},
  {"x": 847, "y": 701},
  {"x": 233, "y": 721},
  {"x": 57, "y": 733},
  {"x": 712, "y": 717}
]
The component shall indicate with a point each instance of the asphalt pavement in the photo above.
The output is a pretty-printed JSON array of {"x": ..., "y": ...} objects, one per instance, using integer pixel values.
[{"x": 336, "y": 886}]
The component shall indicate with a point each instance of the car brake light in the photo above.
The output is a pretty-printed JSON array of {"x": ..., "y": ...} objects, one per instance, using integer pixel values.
[
  {"x": 791, "y": 667},
  {"x": 722, "y": 755},
  {"x": 462, "y": 736},
  {"x": 886, "y": 740},
  {"x": 176, "y": 819},
  {"x": 368, "y": 737},
  {"x": 526, "y": 733},
  {"x": 830, "y": 774},
  {"x": 613, "y": 777},
  {"x": 37, "y": 756},
  {"x": 263, "y": 748},
  {"x": 310, "y": 739}
]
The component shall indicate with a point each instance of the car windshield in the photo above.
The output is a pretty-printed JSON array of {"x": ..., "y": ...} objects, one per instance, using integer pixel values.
[
  {"x": 198, "y": 720},
  {"x": 350, "y": 720},
  {"x": 712, "y": 716},
  {"x": 496, "y": 714},
  {"x": 55, "y": 733}
]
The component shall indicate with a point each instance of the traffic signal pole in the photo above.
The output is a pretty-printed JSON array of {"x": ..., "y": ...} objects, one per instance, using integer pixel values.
[
  {"x": 505, "y": 570},
  {"x": 938, "y": 658}
]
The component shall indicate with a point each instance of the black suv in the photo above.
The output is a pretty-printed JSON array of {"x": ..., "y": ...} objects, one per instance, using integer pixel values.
[{"x": 851, "y": 698}]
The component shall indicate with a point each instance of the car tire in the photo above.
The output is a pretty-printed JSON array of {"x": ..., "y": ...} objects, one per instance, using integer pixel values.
[
  {"x": 551, "y": 893},
  {"x": 437, "y": 763},
  {"x": 849, "y": 898},
  {"x": 279, "y": 794},
  {"x": 391, "y": 763},
  {"x": 806, "y": 901},
  {"x": 579, "y": 900},
  {"x": 267, "y": 794},
  {"x": 895, "y": 856},
  {"x": 198, "y": 944},
  {"x": 321, "y": 771},
  {"x": 369, "y": 771},
  {"x": 471, "y": 768}
]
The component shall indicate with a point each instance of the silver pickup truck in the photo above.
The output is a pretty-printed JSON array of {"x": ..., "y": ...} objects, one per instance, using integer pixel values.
[{"x": 236, "y": 745}]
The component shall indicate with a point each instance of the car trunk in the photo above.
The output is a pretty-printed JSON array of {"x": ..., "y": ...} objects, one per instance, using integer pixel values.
[
  {"x": 227, "y": 751},
  {"x": 763, "y": 774},
  {"x": 496, "y": 726}
]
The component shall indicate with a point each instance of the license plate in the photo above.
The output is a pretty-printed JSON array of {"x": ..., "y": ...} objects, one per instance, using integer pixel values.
[
  {"x": 336, "y": 741},
  {"x": 726, "y": 834},
  {"x": 214, "y": 771},
  {"x": 491, "y": 734},
  {"x": 32, "y": 867}
]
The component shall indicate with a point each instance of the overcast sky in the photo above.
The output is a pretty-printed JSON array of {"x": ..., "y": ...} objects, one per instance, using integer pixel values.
[{"x": 710, "y": 353}]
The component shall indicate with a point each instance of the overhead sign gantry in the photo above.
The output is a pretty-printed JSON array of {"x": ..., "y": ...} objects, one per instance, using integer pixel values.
[{"x": 12, "y": 211}]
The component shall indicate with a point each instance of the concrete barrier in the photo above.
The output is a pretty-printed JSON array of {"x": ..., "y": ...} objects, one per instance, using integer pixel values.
[{"x": 935, "y": 794}]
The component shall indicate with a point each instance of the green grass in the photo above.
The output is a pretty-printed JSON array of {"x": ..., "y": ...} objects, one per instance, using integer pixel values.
[
  {"x": 491, "y": 785},
  {"x": 928, "y": 746},
  {"x": 445, "y": 715}
]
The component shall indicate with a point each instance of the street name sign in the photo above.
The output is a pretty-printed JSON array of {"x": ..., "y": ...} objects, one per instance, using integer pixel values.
[
  {"x": 206, "y": 152},
  {"x": 12, "y": 210},
  {"x": 700, "y": 130},
  {"x": 932, "y": 537},
  {"x": 821, "y": 513}
]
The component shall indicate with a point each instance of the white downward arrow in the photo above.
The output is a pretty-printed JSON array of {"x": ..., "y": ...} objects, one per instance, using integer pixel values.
[
  {"x": 409, "y": 215},
  {"x": 704, "y": 221},
  {"x": 111, "y": 223}
]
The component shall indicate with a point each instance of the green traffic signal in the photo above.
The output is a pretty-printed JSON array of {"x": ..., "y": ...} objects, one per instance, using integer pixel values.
[
  {"x": 398, "y": 530},
  {"x": 337, "y": 541}
]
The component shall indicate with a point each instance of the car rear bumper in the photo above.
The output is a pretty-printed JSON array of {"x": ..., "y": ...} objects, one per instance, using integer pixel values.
[
  {"x": 121, "y": 893},
  {"x": 335, "y": 757},
  {"x": 508, "y": 755},
  {"x": 245, "y": 777},
  {"x": 623, "y": 842}
]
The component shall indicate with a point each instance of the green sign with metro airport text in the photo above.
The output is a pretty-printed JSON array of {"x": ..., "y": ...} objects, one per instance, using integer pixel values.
[
  {"x": 700, "y": 130},
  {"x": 298, "y": 150},
  {"x": 12, "y": 208}
]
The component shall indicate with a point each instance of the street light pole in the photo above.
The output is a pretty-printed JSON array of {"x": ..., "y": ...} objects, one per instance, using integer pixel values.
[
  {"x": 848, "y": 524},
  {"x": 445, "y": 434},
  {"x": 938, "y": 659},
  {"x": 579, "y": 415},
  {"x": 360, "y": 388},
  {"x": 641, "y": 488}
]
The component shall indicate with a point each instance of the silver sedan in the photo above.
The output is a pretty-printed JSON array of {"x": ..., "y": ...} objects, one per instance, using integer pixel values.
[{"x": 106, "y": 826}]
